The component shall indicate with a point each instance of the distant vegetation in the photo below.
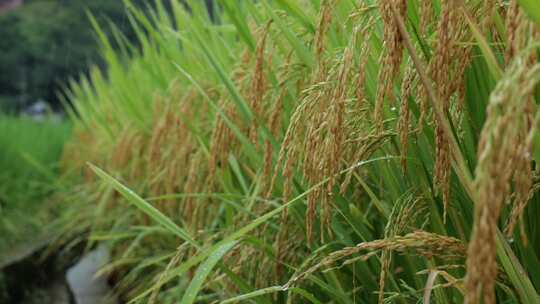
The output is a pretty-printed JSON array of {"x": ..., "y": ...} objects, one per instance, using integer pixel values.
[
  {"x": 43, "y": 43},
  {"x": 29, "y": 166}
]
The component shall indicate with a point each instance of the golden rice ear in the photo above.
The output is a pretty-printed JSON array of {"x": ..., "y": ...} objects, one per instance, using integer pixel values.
[
  {"x": 404, "y": 213},
  {"x": 520, "y": 31},
  {"x": 447, "y": 70},
  {"x": 223, "y": 140},
  {"x": 420, "y": 242},
  {"x": 426, "y": 15},
  {"x": 154, "y": 162},
  {"x": 440, "y": 70},
  {"x": 362, "y": 148},
  {"x": 386, "y": 260},
  {"x": 499, "y": 151},
  {"x": 258, "y": 83},
  {"x": 122, "y": 152},
  {"x": 486, "y": 13},
  {"x": 316, "y": 137},
  {"x": 192, "y": 185},
  {"x": 523, "y": 176},
  {"x": 391, "y": 57},
  {"x": 325, "y": 19},
  {"x": 274, "y": 125},
  {"x": 525, "y": 191},
  {"x": 361, "y": 77},
  {"x": 403, "y": 124},
  {"x": 365, "y": 51},
  {"x": 514, "y": 16},
  {"x": 289, "y": 152}
]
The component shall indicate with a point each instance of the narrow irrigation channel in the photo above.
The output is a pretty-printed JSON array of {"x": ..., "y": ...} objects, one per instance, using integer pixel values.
[{"x": 29, "y": 274}]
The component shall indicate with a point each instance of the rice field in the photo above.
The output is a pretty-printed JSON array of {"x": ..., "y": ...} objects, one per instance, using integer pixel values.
[{"x": 313, "y": 151}]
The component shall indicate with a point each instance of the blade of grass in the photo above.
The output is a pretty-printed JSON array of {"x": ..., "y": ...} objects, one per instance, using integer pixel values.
[
  {"x": 253, "y": 294},
  {"x": 298, "y": 45},
  {"x": 144, "y": 206},
  {"x": 204, "y": 270},
  {"x": 492, "y": 62}
]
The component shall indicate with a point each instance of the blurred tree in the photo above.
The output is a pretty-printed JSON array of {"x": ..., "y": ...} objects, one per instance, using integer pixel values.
[{"x": 44, "y": 42}]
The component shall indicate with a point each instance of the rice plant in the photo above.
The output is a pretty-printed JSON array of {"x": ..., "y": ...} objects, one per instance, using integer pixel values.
[{"x": 314, "y": 151}]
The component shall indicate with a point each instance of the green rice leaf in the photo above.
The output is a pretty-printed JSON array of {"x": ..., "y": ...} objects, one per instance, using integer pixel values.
[
  {"x": 532, "y": 8},
  {"x": 144, "y": 206},
  {"x": 518, "y": 276},
  {"x": 296, "y": 43},
  {"x": 203, "y": 271},
  {"x": 483, "y": 44},
  {"x": 253, "y": 294}
]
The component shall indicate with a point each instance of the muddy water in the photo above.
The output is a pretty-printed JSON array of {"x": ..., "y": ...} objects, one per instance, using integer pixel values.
[
  {"x": 34, "y": 279},
  {"x": 26, "y": 277}
]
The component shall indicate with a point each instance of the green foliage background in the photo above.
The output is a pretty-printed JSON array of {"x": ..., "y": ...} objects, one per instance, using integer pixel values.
[
  {"x": 45, "y": 42},
  {"x": 28, "y": 172}
]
